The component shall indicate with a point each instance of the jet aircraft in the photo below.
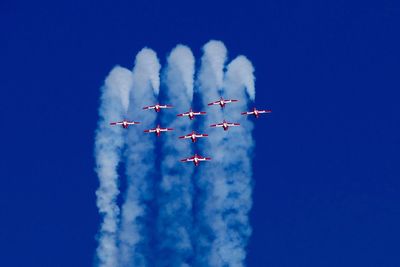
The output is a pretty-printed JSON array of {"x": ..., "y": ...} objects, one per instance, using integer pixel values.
[
  {"x": 195, "y": 159},
  {"x": 222, "y": 102},
  {"x": 125, "y": 123},
  {"x": 256, "y": 112},
  {"x": 193, "y": 136},
  {"x": 191, "y": 114},
  {"x": 225, "y": 125},
  {"x": 157, "y": 107},
  {"x": 158, "y": 130}
]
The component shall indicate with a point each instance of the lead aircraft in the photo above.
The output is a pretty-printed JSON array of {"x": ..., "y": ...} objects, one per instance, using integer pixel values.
[
  {"x": 195, "y": 159},
  {"x": 125, "y": 123},
  {"x": 225, "y": 125},
  {"x": 158, "y": 130},
  {"x": 256, "y": 112},
  {"x": 193, "y": 136},
  {"x": 157, "y": 107},
  {"x": 191, "y": 114},
  {"x": 222, "y": 102}
]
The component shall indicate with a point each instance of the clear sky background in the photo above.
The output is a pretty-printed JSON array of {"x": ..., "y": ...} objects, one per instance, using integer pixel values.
[{"x": 327, "y": 185}]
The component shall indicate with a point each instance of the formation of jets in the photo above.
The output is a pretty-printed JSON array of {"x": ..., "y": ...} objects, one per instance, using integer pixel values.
[{"x": 196, "y": 159}]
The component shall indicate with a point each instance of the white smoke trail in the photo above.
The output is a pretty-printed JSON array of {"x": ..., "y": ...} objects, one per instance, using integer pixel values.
[
  {"x": 238, "y": 163},
  {"x": 175, "y": 200},
  {"x": 211, "y": 74},
  {"x": 239, "y": 79},
  {"x": 108, "y": 144},
  {"x": 241, "y": 74},
  {"x": 140, "y": 160},
  {"x": 210, "y": 83},
  {"x": 228, "y": 179}
]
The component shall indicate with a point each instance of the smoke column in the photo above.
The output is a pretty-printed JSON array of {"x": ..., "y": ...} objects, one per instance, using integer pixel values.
[
  {"x": 140, "y": 160},
  {"x": 210, "y": 202},
  {"x": 239, "y": 80},
  {"x": 175, "y": 199},
  {"x": 108, "y": 145},
  {"x": 224, "y": 224}
]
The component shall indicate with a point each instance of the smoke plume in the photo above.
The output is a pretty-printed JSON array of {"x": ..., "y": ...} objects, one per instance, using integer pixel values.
[
  {"x": 139, "y": 160},
  {"x": 226, "y": 183},
  {"x": 108, "y": 144},
  {"x": 175, "y": 215}
]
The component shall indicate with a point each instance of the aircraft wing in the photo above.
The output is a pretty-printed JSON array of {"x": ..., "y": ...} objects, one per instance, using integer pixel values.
[
  {"x": 264, "y": 111},
  {"x": 213, "y": 103},
  {"x": 188, "y": 159},
  {"x": 200, "y": 135},
  {"x": 132, "y": 122},
  {"x": 199, "y": 113},
  {"x": 183, "y": 114},
  {"x": 117, "y": 123},
  {"x": 185, "y": 136},
  {"x": 150, "y": 107},
  {"x": 203, "y": 158},
  {"x": 150, "y": 131},
  {"x": 217, "y": 125},
  {"x": 166, "y": 106},
  {"x": 231, "y": 100},
  {"x": 247, "y": 113},
  {"x": 165, "y": 129},
  {"x": 233, "y": 124}
]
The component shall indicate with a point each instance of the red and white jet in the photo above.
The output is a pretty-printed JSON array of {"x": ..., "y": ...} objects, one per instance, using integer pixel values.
[
  {"x": 157, "y": 107},
  {"x": 158, "y": 130},
  {"x": 193, "y": 136},
  {"x": 256, "y": 112},
  {"x": 195, "y": 159},
  {"x": 225, "y": 125},
  {"x": 125, "y": 123},
  {"x": 191, "y": 114},
  {"x": 222, "y": 102}
]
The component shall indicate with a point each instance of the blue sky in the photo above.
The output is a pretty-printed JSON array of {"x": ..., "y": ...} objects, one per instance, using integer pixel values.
[{"x": 326, "y": 190}]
